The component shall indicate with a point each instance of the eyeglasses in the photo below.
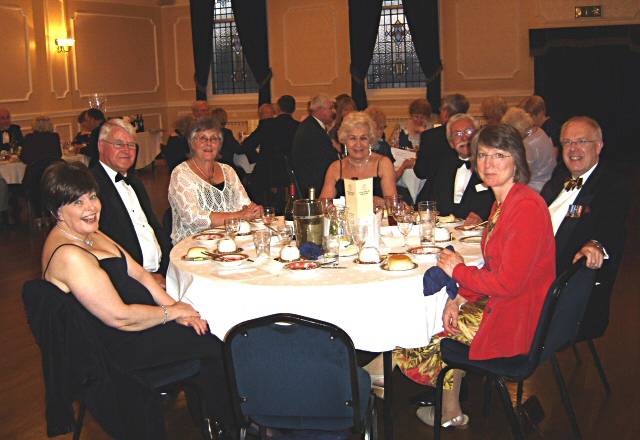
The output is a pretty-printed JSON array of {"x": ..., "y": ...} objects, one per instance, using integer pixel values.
[
  {"x": 119, "y": 145},
  {"x": 460, "y": 133},
  {"x": 496, "y": 156},
  {"x": 577, "y": 142},
  {"x": 208, "y": 140}
]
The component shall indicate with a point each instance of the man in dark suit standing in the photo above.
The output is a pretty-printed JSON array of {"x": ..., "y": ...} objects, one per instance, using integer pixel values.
[
  {"x": 588, "y": 204},
  {"x": 127, "y": 216},
  {"x": 434, "y": 146},
  {"x": 93, "y": 120},
  {"x": 312, "y": 151},
  {"x": 274, "y": 137},
  {"x": 457, "y": 189},
  {"x": 10, "y": 134}
]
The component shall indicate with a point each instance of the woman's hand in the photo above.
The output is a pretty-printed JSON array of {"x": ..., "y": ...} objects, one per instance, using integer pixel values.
[
  {"x": 449, "y": 260},
  {"x": 251, "y": 211},
  {"x": 198, "y": 324},
  {"x": 450, "y": 317},
  {"x": 179, "y": 310},
  {"x": 408, "y": 163}
]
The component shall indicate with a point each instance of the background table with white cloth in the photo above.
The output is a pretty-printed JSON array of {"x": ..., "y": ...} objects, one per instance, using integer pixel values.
[
  {"x": 408, "y": 179},
  {"x": 149, "y": 143},
  {"x": 12, "y": 171}
]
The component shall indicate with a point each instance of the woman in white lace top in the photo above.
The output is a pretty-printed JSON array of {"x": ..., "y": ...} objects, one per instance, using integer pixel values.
[{"x": 203, "y": 192}]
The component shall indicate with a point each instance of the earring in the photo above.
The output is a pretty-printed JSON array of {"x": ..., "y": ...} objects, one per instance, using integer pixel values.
[
  {"x": 370, "y": 149},
  {"x": 346, "y": 151}
]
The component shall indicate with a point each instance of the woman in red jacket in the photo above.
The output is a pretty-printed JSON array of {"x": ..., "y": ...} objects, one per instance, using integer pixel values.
[{"x": 498, "y": 306}]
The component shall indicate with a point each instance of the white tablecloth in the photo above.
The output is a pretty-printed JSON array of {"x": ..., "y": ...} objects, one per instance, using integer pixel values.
[
  {"x": 409, "y": 179},
  {"x": 149, "y": 143},
  {"x": 12, "y": 172},
  {"x": 380, "y": 310}
]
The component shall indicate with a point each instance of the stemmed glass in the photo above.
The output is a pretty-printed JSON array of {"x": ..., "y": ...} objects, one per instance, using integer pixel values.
[
  {"x": 404, "y": 220},
  {"x": 232, "y": 226},
  {"x": 360, "y": 233},
  {"x": 285, "y": 234}
]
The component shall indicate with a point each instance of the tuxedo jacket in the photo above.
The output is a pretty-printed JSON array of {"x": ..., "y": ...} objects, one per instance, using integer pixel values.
[
  {"x": 39, "y": 146},
  {"x": 312, "y": 153},
  {"x": 15, "y": 134},
  {"x": 473, "y": 199},
  {"x": 116, "y": 223},
  {"x": 274, "y": 136},
  {"x": 605, "y": 200},
  {"x": 434, "y": 148}
]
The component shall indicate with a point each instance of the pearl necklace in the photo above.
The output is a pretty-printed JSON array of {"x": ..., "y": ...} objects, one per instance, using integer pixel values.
[
  {"x": 209, "y": 178},
  {"x": 86, "y": 241},
  {"x": 362, "y": 164}
]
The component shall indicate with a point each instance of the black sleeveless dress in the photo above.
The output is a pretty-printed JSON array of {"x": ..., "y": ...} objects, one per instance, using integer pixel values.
[
  {"x": 377, "y": 183},
  {"x": 161, "y": 344}
]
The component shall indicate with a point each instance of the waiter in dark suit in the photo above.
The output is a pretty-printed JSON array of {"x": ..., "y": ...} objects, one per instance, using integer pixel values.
[
  {"x": 312, "y": 150},
  {"x": 9, "y": 133},
  {"x": 588, "y": 204},
  {"x": 457, "y": 189},
  {"x": 127, "y": 214},
  {"x": 434, "y": 146},
  {"x": 274, "y": 137}
]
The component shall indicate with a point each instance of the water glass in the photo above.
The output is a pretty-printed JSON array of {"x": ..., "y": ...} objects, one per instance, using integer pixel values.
[
  {"x": 268, "y": 214},
  {"x": 231, "y": 226},
  {"x": 285, "y": 234},
  {"x": 331, "y": 246},
  {"x": 262, "y": 242}
]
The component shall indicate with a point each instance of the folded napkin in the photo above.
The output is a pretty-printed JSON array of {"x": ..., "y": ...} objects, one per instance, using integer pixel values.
[
  {"x": 310, "y": 251},
  {"x": 435, "y": 279}
]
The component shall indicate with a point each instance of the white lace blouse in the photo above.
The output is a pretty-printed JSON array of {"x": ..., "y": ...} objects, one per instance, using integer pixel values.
[{"x": 192, "y": 199}]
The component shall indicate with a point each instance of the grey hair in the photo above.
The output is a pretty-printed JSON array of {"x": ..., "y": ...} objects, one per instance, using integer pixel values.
[
  {"x": 317, "y": 102},
  {"x": 203, "y": 124},
  {"x": 519, "y": 119},
  {"x": 42, "y": 123},
  {"x": 455, "y": 103},
  {"x": 584, "y": 119},
  {"x": 457, "y": 117},
  {"x": 113, "y": 123}
]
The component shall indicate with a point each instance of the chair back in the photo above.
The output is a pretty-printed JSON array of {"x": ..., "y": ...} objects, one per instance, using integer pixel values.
[
  {"x": 561, "y": 313},
  {"x": 293, "y": 372}
]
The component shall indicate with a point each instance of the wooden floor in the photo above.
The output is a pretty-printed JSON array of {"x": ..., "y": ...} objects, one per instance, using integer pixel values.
[{"x": 22, "y": 393}]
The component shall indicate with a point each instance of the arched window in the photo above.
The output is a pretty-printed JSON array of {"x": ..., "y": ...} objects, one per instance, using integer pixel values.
[
  {"x": 230, "y": 71},
  {"x": 394, "y": 63}
]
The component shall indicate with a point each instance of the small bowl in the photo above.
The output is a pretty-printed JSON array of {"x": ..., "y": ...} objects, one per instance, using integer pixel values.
[
  {"x": 209, "y": 239},
  {"x": 230, "y": 259}
]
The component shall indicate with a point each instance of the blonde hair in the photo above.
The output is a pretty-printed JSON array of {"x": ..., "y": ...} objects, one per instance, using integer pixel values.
[
  {"x": 518, "y": 119},
  {"x": 493, "y": 108},
  {"x": 354, "y": 120}
]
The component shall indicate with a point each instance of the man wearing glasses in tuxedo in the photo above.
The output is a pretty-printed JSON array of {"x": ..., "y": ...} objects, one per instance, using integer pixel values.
[
  {"x": 588, "y": 203},
  {"x": 127, "y": 216}
]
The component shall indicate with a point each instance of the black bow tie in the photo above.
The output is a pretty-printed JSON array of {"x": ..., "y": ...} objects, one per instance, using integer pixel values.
[
  {"x": 466, "y": 163},
  {"x": 573, "y": 183},
  {"x": 120, "y": 177}
]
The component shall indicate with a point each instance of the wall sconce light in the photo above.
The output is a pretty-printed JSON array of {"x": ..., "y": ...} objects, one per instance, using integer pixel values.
[{"x": 64, "y": 44}]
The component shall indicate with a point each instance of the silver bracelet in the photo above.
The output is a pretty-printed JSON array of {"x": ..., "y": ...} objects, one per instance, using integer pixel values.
[{"x": 165, "y": 314}]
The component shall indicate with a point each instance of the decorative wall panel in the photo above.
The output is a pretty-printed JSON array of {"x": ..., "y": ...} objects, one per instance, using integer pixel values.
[
  {"x": 55, "y": 27},
  {"x": 183, "y": 53},
  {"x": 115, "y": 54},
  {"x": 15, "y": 83},
  {"x": 311, "y": 52},
  {"x": 563, "y": 11}
]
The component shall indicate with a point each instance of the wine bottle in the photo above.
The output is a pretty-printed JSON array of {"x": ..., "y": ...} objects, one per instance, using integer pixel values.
[{"x": 288, "y": 207}]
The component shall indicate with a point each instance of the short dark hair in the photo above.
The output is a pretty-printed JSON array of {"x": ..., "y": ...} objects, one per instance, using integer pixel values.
[
  {"x": 96, "y": 114},
  {"x": 65, "y": 182},
  {"x": 506, "y": 138},
  {"x": 81, "y": 116},
  {"x": 287, "y": 104}
]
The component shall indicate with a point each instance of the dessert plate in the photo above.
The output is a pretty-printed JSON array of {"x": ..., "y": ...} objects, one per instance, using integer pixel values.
[{"x": 471, "y": 239}]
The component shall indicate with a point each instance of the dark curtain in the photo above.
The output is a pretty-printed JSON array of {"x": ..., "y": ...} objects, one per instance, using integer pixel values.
[
  {"x": 422, "y": 18},
  {"x": 592, "y": 71},
  {"x": 364, "y": 19},
  {"x": 251, "y": 21},
  {"x": 202, "y": 37}
]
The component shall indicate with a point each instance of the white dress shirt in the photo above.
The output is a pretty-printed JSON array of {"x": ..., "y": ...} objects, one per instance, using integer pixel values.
[
  {"x": 151, "y": 252},
  {"x": 463, "y": 175},
  {"x": 559, "y": 207}
]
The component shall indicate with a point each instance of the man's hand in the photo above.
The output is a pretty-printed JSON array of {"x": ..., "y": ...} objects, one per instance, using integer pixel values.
[
  {"x": 472, "y": 219},
  {"x": 594, "y": 254}
]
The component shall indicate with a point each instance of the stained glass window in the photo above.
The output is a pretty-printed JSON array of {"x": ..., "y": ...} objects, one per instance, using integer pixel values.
[
  {"x": 394, "y": 63},
  {"x": 231, "y": 74}
]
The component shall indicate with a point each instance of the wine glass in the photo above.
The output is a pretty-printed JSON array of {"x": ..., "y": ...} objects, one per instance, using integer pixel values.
[
  {"x": 285, "y": 234},
  {"x": 268, "y": 214},
  {"x": 360, "y": 233},
  {"x": 232, "y": 226},
  {"x": 404, "y": 220}
]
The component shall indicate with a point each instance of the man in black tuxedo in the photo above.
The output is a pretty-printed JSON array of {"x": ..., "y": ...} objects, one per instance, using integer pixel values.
[
  {"x": 457, "y": 189},
  {"x": 127, "y": 216},
  {"x": 434, "y": 145},
  {"x": 312, "y": 150},
  {"x": 9, "y": 133},
  {"x": 274, "y": 137},
  {"x": 588, "y": 204},
  {"x": 93, "y": 120}
]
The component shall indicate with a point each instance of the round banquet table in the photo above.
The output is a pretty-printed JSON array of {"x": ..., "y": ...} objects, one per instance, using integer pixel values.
[
  {"x": 149, "y": 142},
  {"x": 12, "y": 171},
  {"x": 380, "y": 310}
]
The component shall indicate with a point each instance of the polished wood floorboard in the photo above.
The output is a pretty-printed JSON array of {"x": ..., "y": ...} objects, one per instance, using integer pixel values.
[{"x": 616, "y": 417}]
